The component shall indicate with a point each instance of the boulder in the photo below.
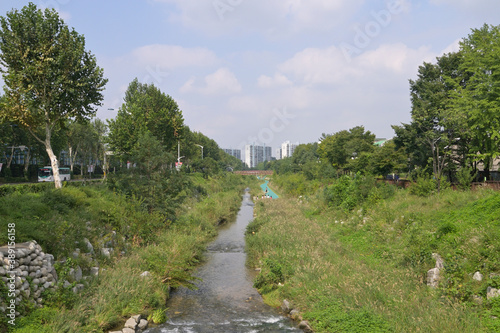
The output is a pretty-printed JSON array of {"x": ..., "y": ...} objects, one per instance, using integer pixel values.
[
  {"x": 433, "y": 277},
  {"x": 492, "y": 293},
  {"x": 106, "y": 251},
  {"x": 285, "y": 306},
  {"x": 439, "y": 260},
  {"x": 143, "y": 324},
  {"x": 131, "y": 323},
  {"x": 89, "y": 246},
  {"x": 478, "y": 276},
  {"x": 128, "y": 330}
]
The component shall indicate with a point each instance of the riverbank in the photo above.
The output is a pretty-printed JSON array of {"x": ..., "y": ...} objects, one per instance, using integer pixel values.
[
  {"x": 143, "y": 242},
  {"x": 366, "y": 270}
]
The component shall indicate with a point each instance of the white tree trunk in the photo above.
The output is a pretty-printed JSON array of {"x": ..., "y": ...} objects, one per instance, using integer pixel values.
[
  {"x": 52, "y": 157},
  {"x": 55, "y": 166}
]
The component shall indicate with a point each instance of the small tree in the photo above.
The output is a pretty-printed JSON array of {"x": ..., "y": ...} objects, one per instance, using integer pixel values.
[{"x": 49, "y": 77}]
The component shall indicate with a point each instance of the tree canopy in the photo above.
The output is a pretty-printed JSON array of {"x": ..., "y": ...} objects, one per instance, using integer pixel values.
[
  {"x": 49, "y": 76},
  {"x": 145, "y": 108}
]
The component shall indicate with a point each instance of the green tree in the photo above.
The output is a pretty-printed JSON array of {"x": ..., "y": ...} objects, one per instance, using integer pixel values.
[
  {"x": 145, "y": 108},
  {"x": 388, "y": 159},
  {"x": 49, "y": 77},
  {"x": 433, "y": 136},
  {"x": 476, "y": 104},
  {"x": 337, "y": 149}
]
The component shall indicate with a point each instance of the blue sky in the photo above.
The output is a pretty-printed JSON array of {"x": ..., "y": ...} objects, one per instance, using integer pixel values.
[{"x": 255, "y": 71}]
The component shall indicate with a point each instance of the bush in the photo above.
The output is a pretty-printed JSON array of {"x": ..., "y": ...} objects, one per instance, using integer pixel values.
[
  {"x": 350, "y": 192},
  {"x": 465, "y": 176},
  {"x": 423, "y": 185}
]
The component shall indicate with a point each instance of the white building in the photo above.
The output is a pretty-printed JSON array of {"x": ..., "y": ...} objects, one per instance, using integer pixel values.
[
  {"x": 257, "y": 154},
  {"x": 287, "y": 149},
  {"x": 234, "y": 152}
]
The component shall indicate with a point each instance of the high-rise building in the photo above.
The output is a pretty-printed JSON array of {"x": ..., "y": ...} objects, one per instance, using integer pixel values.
[
  {"x": 234, "y": 152},
  {"x": 257, "y": 154},
  {"x": 287, "y": 149}
]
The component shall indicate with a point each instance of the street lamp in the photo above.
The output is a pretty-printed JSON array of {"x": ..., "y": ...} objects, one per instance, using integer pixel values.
[{"x": 201, "y": 150}]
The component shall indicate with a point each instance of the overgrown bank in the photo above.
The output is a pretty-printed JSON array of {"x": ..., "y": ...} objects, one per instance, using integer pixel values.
[
  {"x": 168, "y": 246},
  {"x": 355, "y": 258}
]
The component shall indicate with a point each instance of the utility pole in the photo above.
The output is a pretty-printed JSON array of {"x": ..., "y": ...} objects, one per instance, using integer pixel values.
[
  {"x": 178, "y": 165},
  {"x": 201, "y": 150}
]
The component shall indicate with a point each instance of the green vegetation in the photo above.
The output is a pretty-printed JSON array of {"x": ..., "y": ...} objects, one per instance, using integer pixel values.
[
  {"x": 167, "y": 245},
  {"x": 353, "y": 256},
  {"x": 49, "y": 76}
]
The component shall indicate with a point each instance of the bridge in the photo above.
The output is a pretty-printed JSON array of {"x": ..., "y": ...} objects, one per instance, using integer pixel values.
[{"x": 255, "y": 172}]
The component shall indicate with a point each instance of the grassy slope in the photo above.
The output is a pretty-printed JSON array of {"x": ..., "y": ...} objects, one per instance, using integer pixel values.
[
  {"x": 365, "y": 271},
  {"x": 169, "y": 252}
]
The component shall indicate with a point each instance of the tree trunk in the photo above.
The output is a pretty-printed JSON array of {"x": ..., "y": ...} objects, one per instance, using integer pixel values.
[
  {"x": 27, "y": 164},
  {"x": 71, "y": 158},
  {"x": 52, "y": 157},
  {"x": 9, "y": 161}
]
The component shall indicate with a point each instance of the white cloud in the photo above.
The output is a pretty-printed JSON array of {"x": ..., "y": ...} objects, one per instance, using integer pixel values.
[
  {"x": 318, "y": 66},
  {"x": 221, "y": 82},
  {"x": 396, "y": 58},
  {"x": 172, "y": 56},
  {"x": 278, "y": 80},
  {"x": 453, "y": 47},
  {"x": 315, "y": 66},
  {"x": 270, "y": 16}
]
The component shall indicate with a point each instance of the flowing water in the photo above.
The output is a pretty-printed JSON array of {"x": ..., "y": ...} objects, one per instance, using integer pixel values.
[{"x": 225, "y": 300}]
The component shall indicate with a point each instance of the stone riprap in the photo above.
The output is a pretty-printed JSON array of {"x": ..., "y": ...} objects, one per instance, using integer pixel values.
[{"x": 21, "y": 264}]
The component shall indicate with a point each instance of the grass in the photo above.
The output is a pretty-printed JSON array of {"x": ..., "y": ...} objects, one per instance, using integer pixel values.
[
  {"x": 169, "y": 250},
  {"x": 364, "y": 271}
]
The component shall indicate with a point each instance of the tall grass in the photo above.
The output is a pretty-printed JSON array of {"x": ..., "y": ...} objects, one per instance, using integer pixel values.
[
  {"x": 169, "y": 250},
  {"x": 365, "y": 271}
]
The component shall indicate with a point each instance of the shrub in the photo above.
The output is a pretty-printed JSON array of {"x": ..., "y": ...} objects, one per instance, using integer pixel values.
[{"x": 423, "y": 186}]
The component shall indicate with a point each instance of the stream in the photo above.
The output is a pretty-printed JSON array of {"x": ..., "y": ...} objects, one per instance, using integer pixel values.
[{"x": 225, "y": 300}]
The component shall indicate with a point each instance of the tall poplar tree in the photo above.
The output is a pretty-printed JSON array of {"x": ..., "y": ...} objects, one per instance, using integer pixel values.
[{"x": 49, "y": 76}]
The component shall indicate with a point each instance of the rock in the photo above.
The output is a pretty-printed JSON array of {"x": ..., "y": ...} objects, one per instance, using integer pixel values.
[
  {"x": 439, "y": 260},
  {"x": 89, "y": 246},
  {"x": 478, "y": 276},
  {"x": 304, "y": 325},
  {"x": 131, "y": 323},
  {"x": 106, "y": 251},
  {"x": 285, "y": 306},
  {"x": 78, "y": 273},
  {"x": 66, "y": 284},
  {"x": 145, "y": 273},
  {"x": 128, "y": 330},
  {"x": 143, "y": 324},
  {"x": 137, "y": 318},
  {"x": 295, "y": 314},
  {"x": 76, "y": 289},
  {"x": 492, "y": 293},
  {"x": 94, "y": 271},
  {"x": 433, "y": 277}
]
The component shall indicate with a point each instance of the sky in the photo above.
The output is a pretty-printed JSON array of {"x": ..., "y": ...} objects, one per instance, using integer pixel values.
[{"x": 267, "y": 71}]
